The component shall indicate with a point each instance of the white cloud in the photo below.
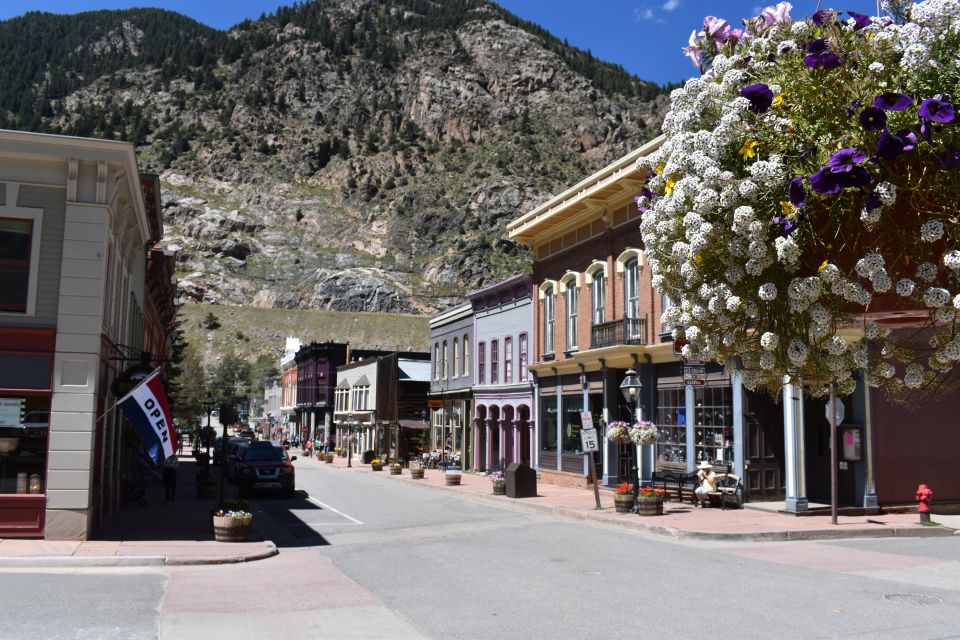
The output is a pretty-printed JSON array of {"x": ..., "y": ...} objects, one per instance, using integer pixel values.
[
  {"x": 670, "y": 5},
  {"x": 648, "y": 13}
]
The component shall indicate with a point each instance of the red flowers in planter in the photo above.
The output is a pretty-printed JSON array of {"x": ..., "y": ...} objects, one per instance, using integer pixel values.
[
  {"x": 651, "y": 492},
  {"x": 624, "y": 490}
]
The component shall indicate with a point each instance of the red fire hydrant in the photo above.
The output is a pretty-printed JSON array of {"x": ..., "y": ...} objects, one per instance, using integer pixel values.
[{"x": 924, "y": 495}]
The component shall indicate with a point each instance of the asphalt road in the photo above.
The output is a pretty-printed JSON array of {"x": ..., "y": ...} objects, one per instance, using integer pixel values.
[{"x": 366, "y": 556}]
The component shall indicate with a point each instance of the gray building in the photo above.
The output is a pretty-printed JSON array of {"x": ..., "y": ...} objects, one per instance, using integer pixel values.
[
  {"x": 451, "y": 381},
  {"x": 504, "y": 420}
]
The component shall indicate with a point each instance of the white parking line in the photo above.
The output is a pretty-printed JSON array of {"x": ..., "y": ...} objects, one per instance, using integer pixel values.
[{"x": 316, "y": 502}]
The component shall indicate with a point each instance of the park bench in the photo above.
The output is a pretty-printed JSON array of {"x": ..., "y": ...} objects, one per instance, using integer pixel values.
[
  {"x": 729, "y": 489},
  {"x": 677, "y": 485}
]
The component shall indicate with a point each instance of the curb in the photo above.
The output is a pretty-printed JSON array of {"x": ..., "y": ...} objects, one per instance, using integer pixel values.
[
  {"x": 707, "y": 536},
  {"x": 48, "y": 562}
]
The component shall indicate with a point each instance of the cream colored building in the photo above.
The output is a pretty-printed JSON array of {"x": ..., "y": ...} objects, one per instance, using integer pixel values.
[{"x": 75, "y": 228}]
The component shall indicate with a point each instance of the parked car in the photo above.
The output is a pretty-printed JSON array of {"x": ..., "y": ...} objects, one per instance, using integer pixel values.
[
  {"x": 266, "y": 467},
  {"x": 235, "y": 449}
]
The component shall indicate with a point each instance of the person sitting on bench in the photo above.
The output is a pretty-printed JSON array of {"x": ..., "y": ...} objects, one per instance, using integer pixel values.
[{"x": 708, "y": 483}]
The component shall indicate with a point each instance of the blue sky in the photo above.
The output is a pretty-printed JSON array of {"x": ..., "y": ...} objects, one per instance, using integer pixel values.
[{"x": 645, "y": 36}]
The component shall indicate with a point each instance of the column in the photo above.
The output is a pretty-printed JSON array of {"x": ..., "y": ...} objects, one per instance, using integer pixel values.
[
  {"x": 559, "y": 423},
  {"x": 476, "y": 438},
  {"x": 870, "y": 487},
  {"x": 489, "y": 447},
  {"x": 517, "y": 446},
  {"x": 532, "y": 434},
  {"x": 502, "y": 449},
  {"x": 738, "y": 441},
  {"x": 796, "y": 500},
  {"x": 691, "y": 430}
]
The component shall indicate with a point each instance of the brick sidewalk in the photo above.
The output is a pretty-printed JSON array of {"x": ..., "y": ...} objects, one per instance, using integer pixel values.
[
  {"x": 171, "y": 533},
  {"x": 678, "y": 520}
]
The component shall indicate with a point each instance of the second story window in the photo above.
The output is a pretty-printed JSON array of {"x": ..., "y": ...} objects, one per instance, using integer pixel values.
[
  {"x": 548, "y": 320},
  {"x": 571, "y": 303},
  {"x": 481, "y": 363},
  {"x": 436, "y": 361},
  {"x": 466, "y": 355},
  {"x": 456, "y": 357},
  {"x": 631, "y": 289},
  {"x": 494, "y": 362},
  {"x": 522, "y": 347},
  {"x": 444, "y": 361},
  {"x": 598, "y": 295},
  {"x": 507, "y": 360}
]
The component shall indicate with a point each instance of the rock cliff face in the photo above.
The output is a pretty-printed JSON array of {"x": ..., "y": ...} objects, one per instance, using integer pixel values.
[{"x": 357, "y": 155}]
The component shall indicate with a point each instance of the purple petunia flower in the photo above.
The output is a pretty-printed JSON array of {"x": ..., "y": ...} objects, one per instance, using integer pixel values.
[
  {"x": 892, "y": 101},
  {"x": 798, "y": 194},
  {"x": 926, "y": 130},
  {"x": 759, "y": 95},
  {"x": 786, "y": 224},
  {"x": 823, "y": 16},
  {"x": 843, "y": 160},
  {"x": 860, "y": 20},
  {"x": 780, "y": 14},
  {"x": 873, "y": 201},
  {"x": 858, "y": 177},
  {"x": 949, "y": 158},
  {"x": 891, "y": 146},
  {"x": 825, "y": 182},
  {"x": 716, "y": 29},
  {"x": 937, "y": 110},
  {"x": 818, "y": 46},
  {"x": 873, "y": 119},
  {"x": 824, "y": 61}
]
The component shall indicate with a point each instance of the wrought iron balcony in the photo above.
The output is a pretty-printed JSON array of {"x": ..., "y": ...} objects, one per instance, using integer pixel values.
[{"x": 622, "y": 331}]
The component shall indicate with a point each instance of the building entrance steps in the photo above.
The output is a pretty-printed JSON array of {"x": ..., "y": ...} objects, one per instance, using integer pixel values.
[
  {"x": 160, "y": 533},
  {"x": 678, "y": 520}
]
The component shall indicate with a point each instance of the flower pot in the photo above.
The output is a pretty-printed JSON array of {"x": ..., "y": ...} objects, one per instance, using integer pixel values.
[
  {"x": 376, "y": 467},
  {"x": 395, "y": 471},
  {"x": 329, "y": 459},
  {"x": 416, "y": 474},
  {"x": 499, "y": 488},
  {"x": 650, "y": 506},
  {"x": 453, "y": 479},
  {"x": 229, "y": 529},
  {"x": 623, "y": 502}
]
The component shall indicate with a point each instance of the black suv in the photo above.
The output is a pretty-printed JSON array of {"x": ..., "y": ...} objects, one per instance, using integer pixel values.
[{"x": 264, "y": 466}]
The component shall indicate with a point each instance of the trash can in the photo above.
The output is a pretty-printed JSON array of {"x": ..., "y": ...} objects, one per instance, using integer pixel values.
[{"x": 521, "y": 481}]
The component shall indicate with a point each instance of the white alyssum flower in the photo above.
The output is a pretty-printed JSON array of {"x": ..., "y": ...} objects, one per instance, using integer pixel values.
[
  {"x": 951, "y": 259},
  {"x": 931, "y": 230},
  {"x": 927, "y": 271},
  {"x": 935, "y": 297},
  {"x": 769, "y": 341},
  {"x": 797, "y": 351},
  {"x": 767, "y": 292},
  {"x": 905, "y": 287}
]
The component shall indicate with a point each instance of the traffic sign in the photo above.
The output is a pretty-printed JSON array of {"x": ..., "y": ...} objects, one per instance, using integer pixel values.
[
  {"x": 586, "y": 420},
  {"x": 588, "y": 438},
  {"x": 694, "y": 375},
  {"x": 839, "y": 413}
]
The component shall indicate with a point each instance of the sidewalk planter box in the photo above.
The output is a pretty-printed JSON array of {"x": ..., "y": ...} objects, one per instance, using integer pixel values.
[
  {"x": 376, "y": 467},
  {"x": 623, "y": 502},
  {"x": 328, "y": 458},
  {"x": 500, "y": 488},
  {"x": 453, "y": 479},
  {"x": 416, "y": 474},
  {"x": 395, "y": 471},
  {"x": 230, "y": 529},
  {"x": 649, "y": 506}
]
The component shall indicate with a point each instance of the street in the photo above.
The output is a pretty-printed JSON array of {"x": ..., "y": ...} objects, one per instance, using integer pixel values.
[{"x": 369, "y": 556}]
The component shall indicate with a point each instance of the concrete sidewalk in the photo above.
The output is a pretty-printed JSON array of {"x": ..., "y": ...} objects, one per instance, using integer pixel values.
[
  {"x": 678, "y": 520},
  {"x": 160, "y": 533}
]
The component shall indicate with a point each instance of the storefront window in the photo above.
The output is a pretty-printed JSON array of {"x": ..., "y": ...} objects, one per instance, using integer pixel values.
[
  {"x": 713, "y": 411},
  {"x": 672, "y": 421},
  {"x": 548, "y": 422},
  {"x": 24, "y": 426},
  {"x": 572, "y": 406}
]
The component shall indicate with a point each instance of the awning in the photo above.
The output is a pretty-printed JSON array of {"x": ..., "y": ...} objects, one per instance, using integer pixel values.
[{"x": 414, "y": 424}]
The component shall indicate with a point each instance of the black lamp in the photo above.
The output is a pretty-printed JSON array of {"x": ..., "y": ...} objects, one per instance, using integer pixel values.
[{"x": 630, "y": 388}]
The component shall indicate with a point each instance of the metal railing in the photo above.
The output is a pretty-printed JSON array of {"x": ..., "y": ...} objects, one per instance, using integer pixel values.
[{"x": 622, "y": 331}]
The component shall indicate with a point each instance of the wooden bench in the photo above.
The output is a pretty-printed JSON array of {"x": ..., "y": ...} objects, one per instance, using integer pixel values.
[
  {"x": 677, "y": 485},
  {"x": 729, "y": 489}
]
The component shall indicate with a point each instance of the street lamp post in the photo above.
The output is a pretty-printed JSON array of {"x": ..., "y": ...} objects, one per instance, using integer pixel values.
[
  {"x": 630, "y": 388},
  {"x": 349, "y": 440},
  {"x": 223, "y": 460},
  {"x": 208, "y": 405}
]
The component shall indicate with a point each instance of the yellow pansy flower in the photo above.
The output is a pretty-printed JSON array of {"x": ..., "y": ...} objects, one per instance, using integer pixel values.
[
  {"x": 659, "y": 168},
  {"x": 778, "y": 100},
  {"x": 823, "y": 265},
  {"x": 749, "y": 149},
  {"x": 787, "y": 208},
  {"x": 668, "y": 187},
  {"x": 698, "y": 260}
]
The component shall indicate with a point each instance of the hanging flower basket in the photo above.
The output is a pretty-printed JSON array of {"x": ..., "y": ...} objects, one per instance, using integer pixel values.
[
  {"x": 619, "y": 431},
  {"x": 803, "y": 202},
  {"x": 644, "y": 432}
]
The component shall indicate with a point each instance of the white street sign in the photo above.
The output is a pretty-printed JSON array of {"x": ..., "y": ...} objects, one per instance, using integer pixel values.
[
  {"x": 840, "y": 412},
  {"x": 586, "y": 420},
  {"x": 588, "y": 438}
]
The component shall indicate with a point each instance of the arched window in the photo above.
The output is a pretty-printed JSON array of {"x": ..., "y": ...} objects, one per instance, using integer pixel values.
[
  {"x": 436, "y": 361},
  {"x": 456, "y": 358},
  {"x": 598, "y": 296},
  {"x": 570, "y": 298},
  {"x": 494, "y": 362},
  {"x": 444, "y": 365},
  {"x": 548, "y": 321},
  {"x": 507, "y": 360},
  {"x": 631, "y": 289},
  {"x": 466, "y": 355}
]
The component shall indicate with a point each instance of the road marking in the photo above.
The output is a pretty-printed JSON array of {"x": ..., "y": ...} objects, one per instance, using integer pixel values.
[{"x": 316, "y": 502}]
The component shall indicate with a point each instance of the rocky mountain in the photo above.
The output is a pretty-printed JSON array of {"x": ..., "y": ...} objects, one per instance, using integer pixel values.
[{"x": 350, "y": 155}]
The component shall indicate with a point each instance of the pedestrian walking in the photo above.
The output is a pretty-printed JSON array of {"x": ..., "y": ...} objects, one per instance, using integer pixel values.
[
  {"x": 180, "y": 444},
  {"x": 170, "y": 477},
  {"x": 309, "y": 448}
]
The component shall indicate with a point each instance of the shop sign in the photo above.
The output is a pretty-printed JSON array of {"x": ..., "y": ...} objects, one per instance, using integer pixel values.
[
  {"x": 694, "y": 375},
  {"x": 11, "y": 412},
  {"x": 435, "y": 404}
]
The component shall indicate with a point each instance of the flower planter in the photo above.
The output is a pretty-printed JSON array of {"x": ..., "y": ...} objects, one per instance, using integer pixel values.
[
  {"x": 395, "y": 471},
  {"x": 416, "y": 474},
  {"x": 453, "y": 479},
  {"x": 623, "y": 502},
  {"x": 499, "y": 488},
  {"x": 230, "y": 529},
  {"x": 650, "y": 506},
  {"x": 376, "y": 467},
  {"x": 328, "y": 459}
]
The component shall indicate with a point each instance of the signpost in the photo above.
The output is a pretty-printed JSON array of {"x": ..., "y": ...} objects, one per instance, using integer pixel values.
[
  {"x": 694, "y": 373},
  {"x": 589, "y": 442}
]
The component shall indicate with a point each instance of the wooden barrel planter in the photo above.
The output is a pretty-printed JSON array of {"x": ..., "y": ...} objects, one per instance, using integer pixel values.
[
  {"x": 453, "y": 479},
  {"x": 650, "y": 507},
  {"x": 499, "y": 488},
  {"x": 328, "y": 458},
  {"x": 416, "y": 474},
  {"x": 622, "y": 502},
  {"x": 229, "y": 529},
  {"x": 395, "y": 471},
  {"x": 376, "y": 467}
]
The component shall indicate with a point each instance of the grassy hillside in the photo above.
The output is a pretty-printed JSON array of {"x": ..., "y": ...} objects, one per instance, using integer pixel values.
[{"x": 251, "y": 332}]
